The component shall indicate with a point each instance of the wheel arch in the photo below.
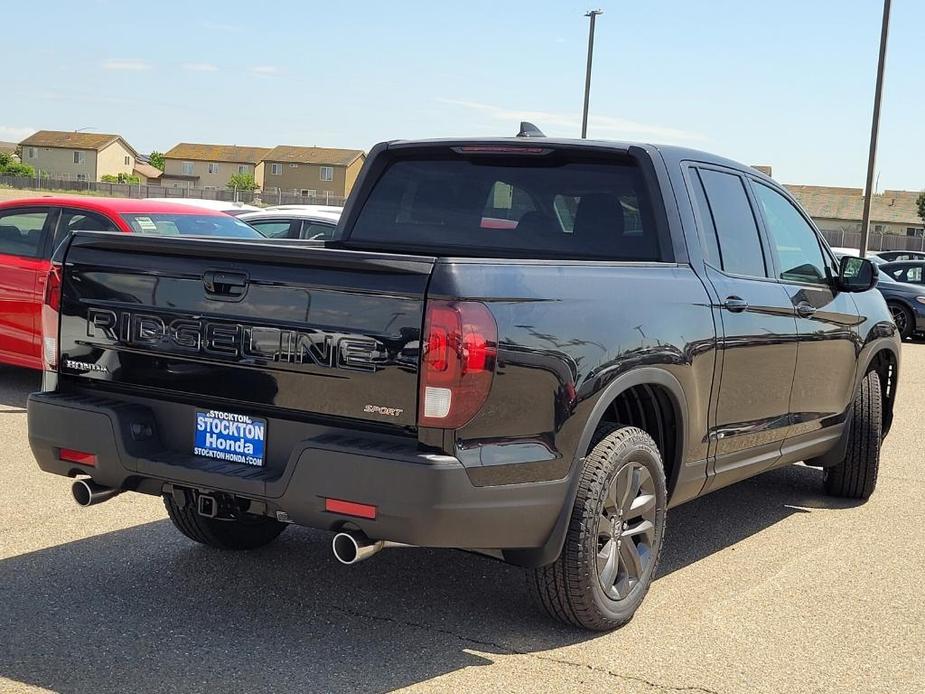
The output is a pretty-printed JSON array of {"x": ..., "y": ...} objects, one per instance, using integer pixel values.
[
  {"x": 885, "y": 361},
  {"x": 604, "y": 409}
]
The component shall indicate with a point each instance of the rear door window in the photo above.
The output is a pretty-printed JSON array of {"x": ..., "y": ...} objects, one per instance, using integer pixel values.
[
  {"x": 734, "y": 221},
  {"x": 546, "y": 206},
  {"x": 81, "y": 220},
  {"x": 22, "y": 232},
  {"x": 273, "y": 228},
  {"x": 316, "y": 231}
]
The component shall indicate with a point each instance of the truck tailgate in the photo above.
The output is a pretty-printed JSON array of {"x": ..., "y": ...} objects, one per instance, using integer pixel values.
[{"x": 247, "y": 323}]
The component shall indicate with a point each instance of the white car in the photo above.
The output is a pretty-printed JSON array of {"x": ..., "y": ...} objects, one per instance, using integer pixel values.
[
  {"x": 873, "y": 257},
  {"x": 307, "y": 222},
  {"x": 235, "y": 209}
]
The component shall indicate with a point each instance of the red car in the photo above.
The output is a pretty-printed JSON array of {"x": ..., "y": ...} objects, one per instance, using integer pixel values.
[{"x": 30, "y": 229}]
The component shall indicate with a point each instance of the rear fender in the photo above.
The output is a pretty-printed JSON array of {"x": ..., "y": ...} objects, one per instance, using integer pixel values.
[{"x": 548, "y": 553}]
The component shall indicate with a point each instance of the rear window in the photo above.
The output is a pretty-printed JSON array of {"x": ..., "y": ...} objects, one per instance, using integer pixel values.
[
  {"x": 537, "y": 206},
  {"x": 190, "y": 225}
]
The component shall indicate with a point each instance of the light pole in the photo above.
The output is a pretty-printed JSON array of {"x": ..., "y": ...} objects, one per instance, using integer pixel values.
[
  {"x": 874, "y": 131},
  {"x": 584, "y": 116}
]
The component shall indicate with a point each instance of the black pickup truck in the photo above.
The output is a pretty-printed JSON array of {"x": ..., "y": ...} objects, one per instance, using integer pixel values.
[{"x": 529, "y": 348}]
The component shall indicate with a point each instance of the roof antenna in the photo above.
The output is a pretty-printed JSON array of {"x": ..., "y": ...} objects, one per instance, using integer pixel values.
[{"x": 529, "y": 130}]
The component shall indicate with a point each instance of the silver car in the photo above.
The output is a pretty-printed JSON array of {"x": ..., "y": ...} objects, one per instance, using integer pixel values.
[{"x": 307, "y": 222}]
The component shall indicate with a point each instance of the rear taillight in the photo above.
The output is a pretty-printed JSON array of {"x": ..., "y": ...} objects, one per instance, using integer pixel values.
[
  {"x": 458, "y": 355},
  {"x": 51, "y": 308}
]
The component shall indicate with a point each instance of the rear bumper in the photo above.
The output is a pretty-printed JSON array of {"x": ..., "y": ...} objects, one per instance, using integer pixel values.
[{"x": 421, "y": 498}]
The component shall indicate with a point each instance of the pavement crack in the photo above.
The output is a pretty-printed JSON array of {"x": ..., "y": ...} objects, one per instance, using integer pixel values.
[{"x": 509, "y": 650}]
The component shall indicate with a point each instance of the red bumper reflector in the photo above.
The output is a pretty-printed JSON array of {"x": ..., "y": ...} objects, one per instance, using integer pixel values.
[
  {"x": 350, "y": 508},
  {"x": 73, "y": 456}
]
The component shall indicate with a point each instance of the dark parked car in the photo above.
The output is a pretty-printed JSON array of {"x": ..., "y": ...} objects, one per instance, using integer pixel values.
[
  {"x": 904, "y": 290},
  {"x": 636, "y": 326},
  {"x": 905, "y": 299},
  {"x": 891, "y": 256}
]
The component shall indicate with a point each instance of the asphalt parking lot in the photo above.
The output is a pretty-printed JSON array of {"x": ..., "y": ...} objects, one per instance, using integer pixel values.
[{"x": 768, "y": 586}]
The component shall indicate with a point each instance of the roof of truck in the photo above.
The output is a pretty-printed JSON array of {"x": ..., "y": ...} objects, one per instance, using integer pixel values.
[{"x": 671, "y": 153}]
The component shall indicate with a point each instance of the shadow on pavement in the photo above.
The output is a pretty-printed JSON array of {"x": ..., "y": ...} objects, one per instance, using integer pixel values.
[
  {"x": 144, "y": 610},
  {"x": 15, "y": 386}
]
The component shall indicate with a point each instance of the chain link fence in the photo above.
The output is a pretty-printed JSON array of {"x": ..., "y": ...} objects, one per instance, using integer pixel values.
[{"x": 143, "y": 190}]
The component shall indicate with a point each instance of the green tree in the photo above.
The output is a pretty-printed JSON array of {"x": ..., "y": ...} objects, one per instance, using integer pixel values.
[
  {"x": 11, "y": 167},
  {"x": 242, "y": 181},
  {"x": 920, "y": 203},
  {"x": 156, "y": 159}
]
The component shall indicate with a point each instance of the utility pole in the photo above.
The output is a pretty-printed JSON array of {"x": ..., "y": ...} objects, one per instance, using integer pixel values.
[
  {"x": 584, "y": 116},
  {"x": 874, "y": 131}
]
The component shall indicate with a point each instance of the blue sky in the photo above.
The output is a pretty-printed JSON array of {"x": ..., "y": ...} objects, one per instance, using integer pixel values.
[{"x": 787, "y": 83}]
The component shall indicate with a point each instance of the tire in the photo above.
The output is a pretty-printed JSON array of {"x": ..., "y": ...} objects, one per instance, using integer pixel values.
[
  {"x": 248, "y": 532},
  {"x": 855, "y": 477},
  {"x": 905, "y": 321},
  {"x": 572, "y": 589}
]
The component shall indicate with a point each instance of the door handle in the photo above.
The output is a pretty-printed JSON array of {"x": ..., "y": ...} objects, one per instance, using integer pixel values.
[
  {"x": 736, "y": 304},
  {"x": 805, "y": 310},
  {"x": 227, "y": 286}
]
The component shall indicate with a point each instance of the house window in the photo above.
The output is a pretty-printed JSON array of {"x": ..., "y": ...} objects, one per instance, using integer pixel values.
[
  {"x": 276, "y": 169},
  {"x": 81, "y": 177},
  {"x": 32, "y": 152},
  {"x": 242, "y": 168},
  {"x": 128, "y": 161},
  {"x": 293, "y": 166},
  {"x": 308, "y": 193},
  {"x": 213, "y": 168},
  {"x": 187, "y": 168},
  {"x": 327, "y": 173},
  {"x": 79, "y": 157},
  {"x": 878, "y": 228}
]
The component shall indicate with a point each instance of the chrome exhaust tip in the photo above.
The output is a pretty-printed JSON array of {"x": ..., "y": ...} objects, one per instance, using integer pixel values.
[
  {"x": 88, "y": 492},
  {"x": 351, "y": 546}
]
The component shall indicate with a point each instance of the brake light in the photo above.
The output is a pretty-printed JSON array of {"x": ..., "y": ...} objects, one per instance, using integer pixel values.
[
  {"x": 458, "y": 355},
  {"x": 51, "y": 308},
  {"x": 501, "y": 149}
]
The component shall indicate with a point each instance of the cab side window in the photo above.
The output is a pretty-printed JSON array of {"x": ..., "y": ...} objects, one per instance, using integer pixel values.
[
  {"x": 727, "y": 213},
  {"x": 913, "y": 274},
  {"x": 793, "y": 240},
  {"x": 21, "y": 232}
]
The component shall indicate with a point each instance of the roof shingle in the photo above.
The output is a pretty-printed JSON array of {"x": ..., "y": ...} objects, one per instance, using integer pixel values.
[
  {"x": 147, "y": 170},
  {"x": 191, "y": 151},
  {"x": 71, "y": 140},
  {"x": 314, "y": 155}
]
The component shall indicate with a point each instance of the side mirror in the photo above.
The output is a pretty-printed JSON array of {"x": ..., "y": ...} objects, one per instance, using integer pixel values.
[{"x": 856, "y": 274}]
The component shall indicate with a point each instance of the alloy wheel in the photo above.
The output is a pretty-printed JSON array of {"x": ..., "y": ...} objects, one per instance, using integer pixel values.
[
  {"x": 626, "y": 531},
  {"x": 899, "y": 317}
]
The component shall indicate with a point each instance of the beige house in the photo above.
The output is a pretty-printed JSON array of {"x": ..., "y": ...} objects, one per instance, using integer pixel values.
[
  {"x": 841, "y": 209},
  {"x": 78, "y": 156},
  {"x": 316, "y": 172},
  {"x": 190, "y": 165}
]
